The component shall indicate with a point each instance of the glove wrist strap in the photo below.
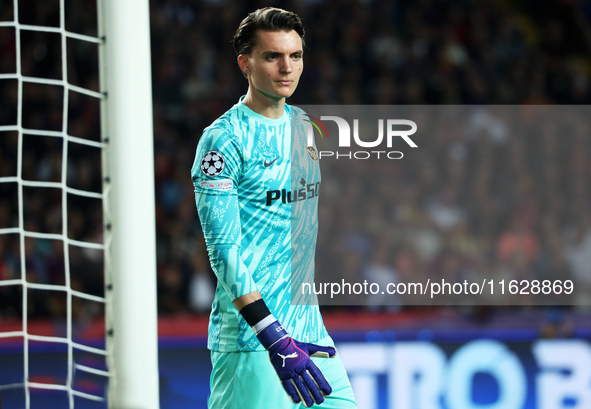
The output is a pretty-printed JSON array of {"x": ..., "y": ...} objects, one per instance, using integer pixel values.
[
  {"x": 264, "y": 323},
  {"x": 266, "y": 327},
  {"x": 271, "y": 333}
]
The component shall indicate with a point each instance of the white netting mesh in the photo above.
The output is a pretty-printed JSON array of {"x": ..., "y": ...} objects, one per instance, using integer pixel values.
[{"x": 52, "y": 251}]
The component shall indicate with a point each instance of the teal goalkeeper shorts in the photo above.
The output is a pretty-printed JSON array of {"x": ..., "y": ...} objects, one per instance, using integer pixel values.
[{"x": 247, "y": 380}]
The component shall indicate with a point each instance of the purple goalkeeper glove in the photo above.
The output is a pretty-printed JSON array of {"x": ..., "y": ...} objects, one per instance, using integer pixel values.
[{"x": 300, "y": 377}]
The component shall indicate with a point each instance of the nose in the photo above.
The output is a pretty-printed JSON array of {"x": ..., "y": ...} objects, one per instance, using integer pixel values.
[{"x": 286, "y": 65}]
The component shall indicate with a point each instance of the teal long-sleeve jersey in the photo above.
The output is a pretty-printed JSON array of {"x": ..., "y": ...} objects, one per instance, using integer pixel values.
[{"x": 256, "y": 185}]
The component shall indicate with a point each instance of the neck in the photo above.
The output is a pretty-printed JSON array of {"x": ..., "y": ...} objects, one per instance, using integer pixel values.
[{"x": 263, "y": 105}]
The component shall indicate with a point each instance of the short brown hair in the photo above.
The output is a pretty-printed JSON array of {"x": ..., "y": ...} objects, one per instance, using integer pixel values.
[{"x": 268, "y": 18}]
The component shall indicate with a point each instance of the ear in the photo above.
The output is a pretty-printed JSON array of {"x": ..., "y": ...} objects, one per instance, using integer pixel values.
[{"x": 243, "y": 63}]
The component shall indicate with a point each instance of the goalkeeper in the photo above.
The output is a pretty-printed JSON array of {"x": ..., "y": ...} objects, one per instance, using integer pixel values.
[{"x": 256, "y": 187}]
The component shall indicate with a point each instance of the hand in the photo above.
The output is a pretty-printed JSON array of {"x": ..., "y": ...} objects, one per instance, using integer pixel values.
[{"x": 300, "y": 377}]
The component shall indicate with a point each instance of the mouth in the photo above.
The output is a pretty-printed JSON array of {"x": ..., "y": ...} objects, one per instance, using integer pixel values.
[{"x": 285, "y": 82}]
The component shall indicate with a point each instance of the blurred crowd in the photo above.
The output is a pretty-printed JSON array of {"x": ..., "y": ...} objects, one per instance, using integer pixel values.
[
  {"x": 472, "y": 204},
  {"x": 491, "y": 193}
]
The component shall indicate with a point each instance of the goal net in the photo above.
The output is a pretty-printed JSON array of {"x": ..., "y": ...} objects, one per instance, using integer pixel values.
[{"x": 58, "y": 277}]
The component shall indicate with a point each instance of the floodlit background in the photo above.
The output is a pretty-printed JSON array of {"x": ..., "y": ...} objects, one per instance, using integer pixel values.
[{"x": 511, "y": 207}]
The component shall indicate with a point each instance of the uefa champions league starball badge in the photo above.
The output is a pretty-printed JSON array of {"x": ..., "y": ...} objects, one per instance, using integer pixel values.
[{"x": 212, "y": 163}]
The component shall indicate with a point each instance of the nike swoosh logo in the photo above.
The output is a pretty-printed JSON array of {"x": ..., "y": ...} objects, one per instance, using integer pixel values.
[{"x": 267, "y": 164}]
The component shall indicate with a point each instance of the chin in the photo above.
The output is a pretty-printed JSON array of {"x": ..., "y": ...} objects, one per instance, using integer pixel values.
[{"x": 285, "y": 93}]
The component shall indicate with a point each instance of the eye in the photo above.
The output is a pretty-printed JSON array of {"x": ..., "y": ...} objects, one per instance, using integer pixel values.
[
  {"x": 296, "y": 56},
  {"x": 271, "y": 57}
]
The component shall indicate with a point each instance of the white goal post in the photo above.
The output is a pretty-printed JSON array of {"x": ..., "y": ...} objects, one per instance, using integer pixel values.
[
  {"x": 127, "y": 126},
  {"x": 125, "y": 152}
]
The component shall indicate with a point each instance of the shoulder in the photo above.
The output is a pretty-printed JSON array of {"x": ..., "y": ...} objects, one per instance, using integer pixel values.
[
  {"x": 223, "y": 135},
  {"x": 219, "y": 140},
  {"x": 300, "y": 122},
  {"x": 220, "y": 130},
  {"x": 293, "y": 110},
  {"x": 298, "y": 116}
]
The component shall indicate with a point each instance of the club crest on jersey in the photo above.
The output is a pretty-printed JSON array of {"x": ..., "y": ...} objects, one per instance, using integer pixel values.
[
  {"x": 313, "y": 153},
  {"x": 212, "y": 163}
]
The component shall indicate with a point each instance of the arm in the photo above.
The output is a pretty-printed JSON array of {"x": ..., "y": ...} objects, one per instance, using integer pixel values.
[
  {"x": 246, "y": 299},
  {"x": 216, "y": 197},
  {"x": 220, "y": 220}
]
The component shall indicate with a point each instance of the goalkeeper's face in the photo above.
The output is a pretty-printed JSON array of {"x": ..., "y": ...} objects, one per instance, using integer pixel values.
[{"x": 275, "y": 64}]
